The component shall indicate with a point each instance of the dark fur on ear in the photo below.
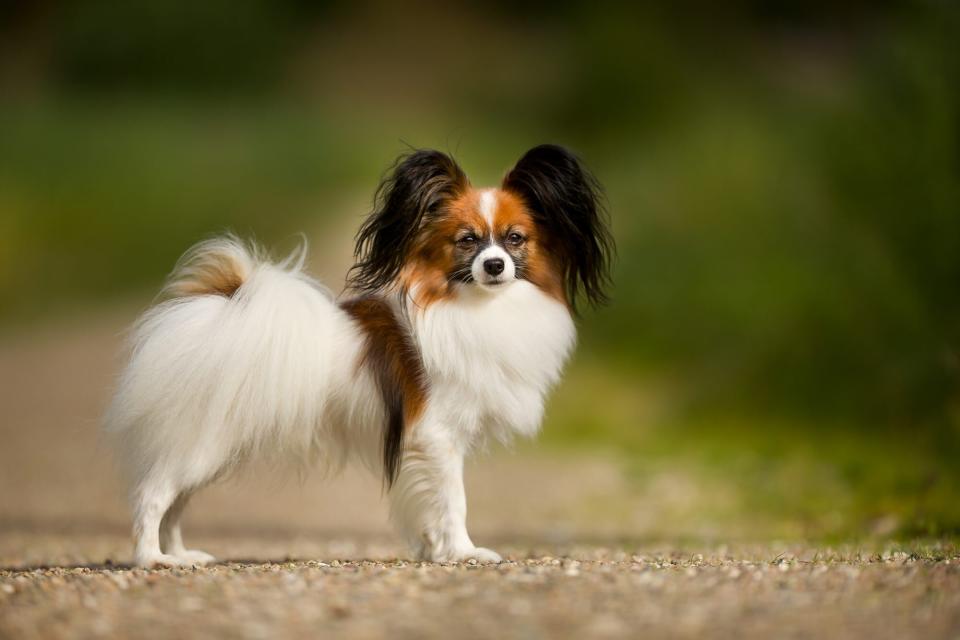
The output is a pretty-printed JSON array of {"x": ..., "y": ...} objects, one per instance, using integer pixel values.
[
  {"x": 418, "y": 186},
  {"x": 567, "y": 201}
]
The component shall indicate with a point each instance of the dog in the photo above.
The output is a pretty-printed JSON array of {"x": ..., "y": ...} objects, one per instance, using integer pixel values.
[{"x": 458, "y": 320}]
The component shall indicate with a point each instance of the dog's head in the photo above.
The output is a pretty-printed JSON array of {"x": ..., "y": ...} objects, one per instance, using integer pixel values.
[{"x": 431, "y": 233}]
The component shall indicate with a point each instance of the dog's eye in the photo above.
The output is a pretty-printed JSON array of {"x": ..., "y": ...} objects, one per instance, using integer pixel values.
[
  {"x": 515, "y": 239},
  {"x": 467, "y": 240}
]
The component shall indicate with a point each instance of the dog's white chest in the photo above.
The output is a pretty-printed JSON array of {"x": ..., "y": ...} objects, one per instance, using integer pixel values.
[{"x": 490, "y": 359}]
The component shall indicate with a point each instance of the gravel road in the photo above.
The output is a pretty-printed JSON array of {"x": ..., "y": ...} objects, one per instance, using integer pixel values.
[{"x": 564, "y": 592}]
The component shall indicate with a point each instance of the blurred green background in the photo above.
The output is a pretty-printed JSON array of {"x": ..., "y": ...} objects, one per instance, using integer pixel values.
[{"x": 783, "y": 179}]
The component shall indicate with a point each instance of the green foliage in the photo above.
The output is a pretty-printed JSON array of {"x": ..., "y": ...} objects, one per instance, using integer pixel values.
[
  {"x": 98, "y": 201},
  {"x": 743, "y": 474},
  {"x": 797, "y": 233}
]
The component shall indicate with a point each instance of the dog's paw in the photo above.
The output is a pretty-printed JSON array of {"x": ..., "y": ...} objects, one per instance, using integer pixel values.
[
  {"x": 484, "y": 556},
  {"x": 477, "y": 554},
  {"x": 195, "y": 558},
  {"x": 161, "y": 560}
]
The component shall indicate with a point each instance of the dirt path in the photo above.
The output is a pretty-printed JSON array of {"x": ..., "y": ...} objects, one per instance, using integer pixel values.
[{"x": 560, "y": 593}]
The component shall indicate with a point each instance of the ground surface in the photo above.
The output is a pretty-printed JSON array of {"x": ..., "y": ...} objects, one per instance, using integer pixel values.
[
  {"x": 351, "y": 591},
  {"x": 589, "y": 554}
]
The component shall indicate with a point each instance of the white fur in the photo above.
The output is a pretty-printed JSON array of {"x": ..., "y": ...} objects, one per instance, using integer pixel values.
[
  {"x": 490, "y": 357},
  {"x": 488, "y": 205},
  {"x": 484, "y": 279},
  {"x": 273, "y": 372}
]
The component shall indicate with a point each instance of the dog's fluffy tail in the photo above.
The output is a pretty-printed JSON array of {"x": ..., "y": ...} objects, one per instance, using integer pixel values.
[
  {"x": 217, "y": 266},
  {"x": 236, "y": 360}
]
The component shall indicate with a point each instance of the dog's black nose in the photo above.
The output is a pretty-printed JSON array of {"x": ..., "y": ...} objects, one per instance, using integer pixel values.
[{"x": 493, "y": 266}]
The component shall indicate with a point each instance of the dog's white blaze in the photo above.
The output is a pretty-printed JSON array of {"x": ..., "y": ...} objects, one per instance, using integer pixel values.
[{"x": 488, "y": 206}]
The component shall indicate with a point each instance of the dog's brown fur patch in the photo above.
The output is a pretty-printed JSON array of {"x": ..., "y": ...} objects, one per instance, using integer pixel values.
[
  {"x": 433, "y": 255},
  {"x": 392, "y": 358},
  {"x": 539, "y": 265}
]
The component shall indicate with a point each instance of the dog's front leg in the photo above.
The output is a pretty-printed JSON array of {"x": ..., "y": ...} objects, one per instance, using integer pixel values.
[{"x": 429, "y": 504}]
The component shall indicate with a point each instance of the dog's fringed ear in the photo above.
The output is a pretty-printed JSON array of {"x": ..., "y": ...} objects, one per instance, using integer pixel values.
[
  {"x": 567, "y": 201},
  {"x": 419, "y": 184}
]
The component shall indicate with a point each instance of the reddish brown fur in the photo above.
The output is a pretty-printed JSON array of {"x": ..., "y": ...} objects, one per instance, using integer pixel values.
[
  {"x": 432, "y": 257},
  {"x": 217, "y": 273},
  {"x": 541, "y": 270},
  {"x": 393, "y": 360}
]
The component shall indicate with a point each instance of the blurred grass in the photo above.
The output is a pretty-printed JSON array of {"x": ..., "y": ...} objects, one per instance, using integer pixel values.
[
  {"x": 98, "y": 201},
  {"x": 736, "y": 474},
  {"x": 784, "y": 183}
]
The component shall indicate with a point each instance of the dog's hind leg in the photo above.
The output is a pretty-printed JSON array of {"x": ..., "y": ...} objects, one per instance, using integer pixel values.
[
  {"x": 171, "y": 538},
  {"x": 152, "y": 500}
]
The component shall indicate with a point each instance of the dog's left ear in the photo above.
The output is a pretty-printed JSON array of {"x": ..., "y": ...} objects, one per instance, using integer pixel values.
[{"x": 567, "y": 201}]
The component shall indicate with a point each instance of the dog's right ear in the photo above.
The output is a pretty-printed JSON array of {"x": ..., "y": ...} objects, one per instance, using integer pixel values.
[
  {"x": 567, "y": 201},
  {"x": 418, "y": 185}
]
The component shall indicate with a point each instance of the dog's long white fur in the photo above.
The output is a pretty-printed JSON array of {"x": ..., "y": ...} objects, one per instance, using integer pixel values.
[{"x": 273, "y": 371}]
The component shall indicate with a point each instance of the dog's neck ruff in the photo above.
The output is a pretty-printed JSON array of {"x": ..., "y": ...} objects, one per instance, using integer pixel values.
[{"x": 491, "y": 357}]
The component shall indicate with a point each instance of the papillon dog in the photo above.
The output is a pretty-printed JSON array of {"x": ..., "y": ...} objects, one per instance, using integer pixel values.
[{"x": 457, "y": 322}]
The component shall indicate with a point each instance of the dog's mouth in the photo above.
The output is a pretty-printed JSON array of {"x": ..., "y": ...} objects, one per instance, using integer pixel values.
[{"x": 497, "y": 282}]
